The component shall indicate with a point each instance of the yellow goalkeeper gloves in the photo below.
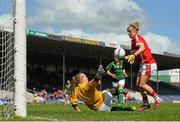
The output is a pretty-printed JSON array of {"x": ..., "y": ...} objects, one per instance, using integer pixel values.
[{"x": 131, "y": 58}]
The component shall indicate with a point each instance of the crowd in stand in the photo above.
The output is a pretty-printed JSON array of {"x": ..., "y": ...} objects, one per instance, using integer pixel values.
[
  {"x": 42, "y": 96},
  {"x": 45, "y": 85},
  {"x": 42, "y": 79}
]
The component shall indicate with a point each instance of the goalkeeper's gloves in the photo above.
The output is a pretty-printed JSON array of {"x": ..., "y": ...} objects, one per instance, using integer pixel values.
[
  {"x": 100, "y": 72},
  {"x": 131, "y": 58}
]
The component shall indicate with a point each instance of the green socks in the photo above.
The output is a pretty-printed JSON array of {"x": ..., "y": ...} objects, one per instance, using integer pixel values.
[{"x": 120, "y": 92}]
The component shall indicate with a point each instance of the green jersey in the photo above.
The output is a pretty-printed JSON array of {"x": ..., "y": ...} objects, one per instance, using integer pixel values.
[{"x": 116, "y": 68}]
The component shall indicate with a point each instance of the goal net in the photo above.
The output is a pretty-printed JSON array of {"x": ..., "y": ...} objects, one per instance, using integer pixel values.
[{"x": 6, "y": 59}]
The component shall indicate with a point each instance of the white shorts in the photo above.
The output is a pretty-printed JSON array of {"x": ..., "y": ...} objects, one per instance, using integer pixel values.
[
  {"x": 120, "y": 82},
  {"x": 148, "y": 69},
  {"x": 106, "y": 106}
]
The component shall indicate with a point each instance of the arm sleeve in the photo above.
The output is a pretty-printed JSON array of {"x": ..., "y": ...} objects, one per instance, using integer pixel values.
[
  {"x": 94, "y": 83},
  {"x": 73, "y": 98},
  {"x": 109, "y": 67}
]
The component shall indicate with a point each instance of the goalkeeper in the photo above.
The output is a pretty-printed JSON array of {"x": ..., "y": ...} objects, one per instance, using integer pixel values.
[
  {"x": 147, "y": 68},
  {"x": 85, "y": 90},
  {"x": 116, "y": 70}
]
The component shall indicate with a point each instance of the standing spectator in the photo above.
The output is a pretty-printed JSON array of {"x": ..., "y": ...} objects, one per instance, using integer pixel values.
[{"x": 67, "y": 92}]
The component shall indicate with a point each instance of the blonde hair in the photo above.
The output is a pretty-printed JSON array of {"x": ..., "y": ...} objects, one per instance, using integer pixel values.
[{"x": 135, "y": 25}]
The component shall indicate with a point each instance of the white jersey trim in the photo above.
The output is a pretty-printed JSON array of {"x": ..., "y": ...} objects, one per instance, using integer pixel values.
[{"x": 137, "y": 39}]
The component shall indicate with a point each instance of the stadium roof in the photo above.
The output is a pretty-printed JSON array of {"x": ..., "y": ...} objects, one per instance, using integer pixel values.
[{"x": 44, "y": 43}]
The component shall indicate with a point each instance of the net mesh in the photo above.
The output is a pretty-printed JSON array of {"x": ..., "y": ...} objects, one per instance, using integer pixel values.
[{"x": 6, "y": 59}]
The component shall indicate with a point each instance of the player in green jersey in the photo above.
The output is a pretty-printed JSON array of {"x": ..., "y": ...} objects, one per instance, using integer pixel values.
[{"x": 116, "y": 70}]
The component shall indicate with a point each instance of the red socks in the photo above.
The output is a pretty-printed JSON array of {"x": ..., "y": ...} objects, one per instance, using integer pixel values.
[{"x": 155, "y": 96}]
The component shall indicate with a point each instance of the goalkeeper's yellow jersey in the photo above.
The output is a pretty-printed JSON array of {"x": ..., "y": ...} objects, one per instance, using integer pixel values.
[{"x": 88, "y": 93}]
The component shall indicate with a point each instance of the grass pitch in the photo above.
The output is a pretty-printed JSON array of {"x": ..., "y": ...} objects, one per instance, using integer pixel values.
[{"x": 59, "y": 112}]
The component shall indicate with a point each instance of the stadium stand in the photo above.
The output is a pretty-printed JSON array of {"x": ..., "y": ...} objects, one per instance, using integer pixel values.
[
  {"x": 47, "y": 52},
  {"x": 45, "y": 61}
]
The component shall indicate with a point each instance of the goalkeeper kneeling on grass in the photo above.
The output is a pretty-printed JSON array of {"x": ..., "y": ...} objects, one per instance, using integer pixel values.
[
  {"x": 116, "y": 70},
  {"x": 85, "y": 90}
]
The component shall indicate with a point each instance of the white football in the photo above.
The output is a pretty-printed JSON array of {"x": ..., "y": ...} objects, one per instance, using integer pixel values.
[{"x": 119, "y": 52}]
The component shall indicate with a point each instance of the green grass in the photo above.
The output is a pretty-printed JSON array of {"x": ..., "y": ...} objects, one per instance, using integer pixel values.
[{"x": 167, "y": 112}]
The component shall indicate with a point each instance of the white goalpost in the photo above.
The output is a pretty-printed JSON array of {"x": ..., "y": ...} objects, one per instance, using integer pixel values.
[
  {"x": 12, "y": 59},
  {"x": 20, "y": 58}
]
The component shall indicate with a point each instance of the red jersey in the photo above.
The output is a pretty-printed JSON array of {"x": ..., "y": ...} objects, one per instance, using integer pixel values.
[{"x": 146, "y": 56}]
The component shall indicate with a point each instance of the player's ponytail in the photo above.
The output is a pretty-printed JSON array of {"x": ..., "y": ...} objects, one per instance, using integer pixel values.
[
  {"x": 73, "y": 85},
  {"x": 74, "y": 82},
  {"x": 135, "y": 25}
]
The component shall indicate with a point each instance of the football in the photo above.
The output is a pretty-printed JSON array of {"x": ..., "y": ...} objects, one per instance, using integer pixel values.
[{"x": 119, "y": 52}]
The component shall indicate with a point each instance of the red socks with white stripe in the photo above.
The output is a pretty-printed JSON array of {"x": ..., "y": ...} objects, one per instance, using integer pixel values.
[{"x": 155, "y": 96}]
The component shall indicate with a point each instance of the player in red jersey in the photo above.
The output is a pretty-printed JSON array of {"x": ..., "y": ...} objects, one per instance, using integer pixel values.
[{"x": 148, "y": 65}]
